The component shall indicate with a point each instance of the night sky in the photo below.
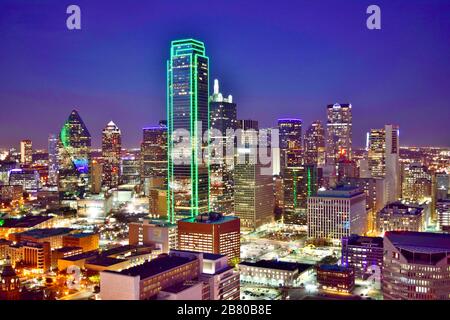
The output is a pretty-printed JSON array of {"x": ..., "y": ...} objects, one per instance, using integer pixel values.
[{"x": 277, "y": 58}]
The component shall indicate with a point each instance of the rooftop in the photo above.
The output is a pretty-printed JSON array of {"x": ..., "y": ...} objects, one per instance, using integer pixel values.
[
  {"x": 333, "y": 267},
  {"x": 278, "y": 265},
  {"x": 105, "y": 261},
  {"x": 82, "y": 234},
  {"x": 25, "y": 222},
  {"x": 342, "y": 191},
  {"x": 211, "y": 217},
  {"x": 156, "y": 266},
  {"x": 45, "y": 233},
  {"x": 357, "y": 240},
  {"x": 212, "y": 256},
  {"x": 423, "y": 241}
]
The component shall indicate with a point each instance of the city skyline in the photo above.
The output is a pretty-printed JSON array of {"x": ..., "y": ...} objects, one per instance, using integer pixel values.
[{"x": 104, "y": 95}]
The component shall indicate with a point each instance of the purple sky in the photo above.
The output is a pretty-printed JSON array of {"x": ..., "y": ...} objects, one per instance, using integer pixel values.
[{"x": 277, "y": 58}]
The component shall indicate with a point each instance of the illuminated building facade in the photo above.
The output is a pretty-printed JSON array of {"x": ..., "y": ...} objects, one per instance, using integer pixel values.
[
  {"x": 131, "y": 170},
  {"x": 223, "y": 118},
  {"x": 188, "y": 110},
  {"x": 334, "y": 278},
  {"x": 339, "y": 132},
  {"x": 145, "y": 281},
  {"x": 254, "y": 200},
  {"x": 383, "y": 159},
  {"x": 53, "y": 160},
  {"x": 363, "y": 254},
  {"x": 417, "y": 183},
  {"x": 29, "y": 179},
  {"x": 290, "y": 133},
  {"x": 300, "y": 182},
  {"x": 416, "y": 266},
  {"x": 400, "y": 216},
  {"x": 111, "y": 154},
  {"x": 443, "y": 214},
  {"x": 314, "y": 144},
  {"x": 33, "y": 255},
  {"x": 85, "y": 241},
  {"x": 154, "y": 156},
  {"x": 9, "y": 283},
  {"x": 74, "y": 158},
  {"x": 210, "y": 233},
  {"x": 157, "y": 233},
  {"x": 337, "y": 213},
  {"x": 26, "y": 152},
  {"x": 274, "y": 273}
]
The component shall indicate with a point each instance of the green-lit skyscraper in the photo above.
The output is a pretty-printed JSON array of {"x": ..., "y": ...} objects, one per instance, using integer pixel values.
[{"x": 187, "y": 122}]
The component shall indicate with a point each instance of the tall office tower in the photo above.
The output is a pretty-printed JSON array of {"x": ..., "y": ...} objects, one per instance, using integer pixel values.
[
  {"x": 111, "y": 152},
  {"x": 392, "y": 159},
  {"x": 74, "y": 158},
  {"x": 290, "y": 133},
  {"x": 416, "y": 266},
  {"x": 253, "y": 195},
  {"x": 188, "y": 120},
  {"x": 26, "y": 152},
  {"x": 211, "y": 233},
  {"x": 374, "y": 190},
  {"x": 383, "y": 159},
  {"x": 346, "y": 169},
  {"x": 417, "y": 183},
  {"x": 154, "y": 154},
  {"x": 53, "y": 160},
  {"x": 300, "y": 182},
  {"x": 314, "y": 144},
  {"x": 377, "y": 153},
  {"x": 222, "y": 119},
  {"x": 337, "y": 213},
  {"x": 339, "y": 132}
]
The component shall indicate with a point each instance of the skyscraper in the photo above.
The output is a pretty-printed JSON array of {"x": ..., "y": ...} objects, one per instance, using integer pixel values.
[
  {"x": 337, "y": 213},
  {"x": 290, "y": 131},
  {"x": 53, "y": 160},
  {"x": 314, "y": 144},
  {"x": 111, "y": 152},
  {"x": 154, "y": 153},
  {"x": 392, "y": 178},
  {"x": 299, "y": 183},
  {"x": 26, "y": 152},
  {"x": 339, "y": 132},
  {"x": 188, "y": 114},
  {"x": 223, "y": 123},
  {"x": 74, "y": 157},
  {"x": 253, "y": 195},
  {"x": 377, "y": 153}
]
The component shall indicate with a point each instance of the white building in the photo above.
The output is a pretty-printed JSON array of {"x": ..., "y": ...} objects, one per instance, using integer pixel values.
[{"x": 337, "y": 213}]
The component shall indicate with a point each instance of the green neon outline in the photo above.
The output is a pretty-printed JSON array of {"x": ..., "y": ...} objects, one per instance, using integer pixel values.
[{"x": 196, "y": 47}]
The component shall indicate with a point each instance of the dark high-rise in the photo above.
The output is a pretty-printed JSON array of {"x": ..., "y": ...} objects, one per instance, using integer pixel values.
[
  {"x": 187, "y": 120},
  {"x": 314, "y": 144},
  {"x": 74, "y": 158},
  {"x": 290, "y": 131},
  {"x": 223, "y": 124}
]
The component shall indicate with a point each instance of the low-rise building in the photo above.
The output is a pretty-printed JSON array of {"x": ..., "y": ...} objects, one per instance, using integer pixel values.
[
  {"x": 337, "y": 279},
  {"x": 274, "y": 273},
  {"x": 400, "y": 216},
  {"x": 364, "y": 254}
]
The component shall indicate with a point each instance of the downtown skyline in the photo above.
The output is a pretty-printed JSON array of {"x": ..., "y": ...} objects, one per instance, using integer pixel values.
[{"x": 50, "y": 83}]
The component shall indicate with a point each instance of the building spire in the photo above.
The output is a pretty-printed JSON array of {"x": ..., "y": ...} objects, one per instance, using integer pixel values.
[{"x": 216, "y": 86}]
